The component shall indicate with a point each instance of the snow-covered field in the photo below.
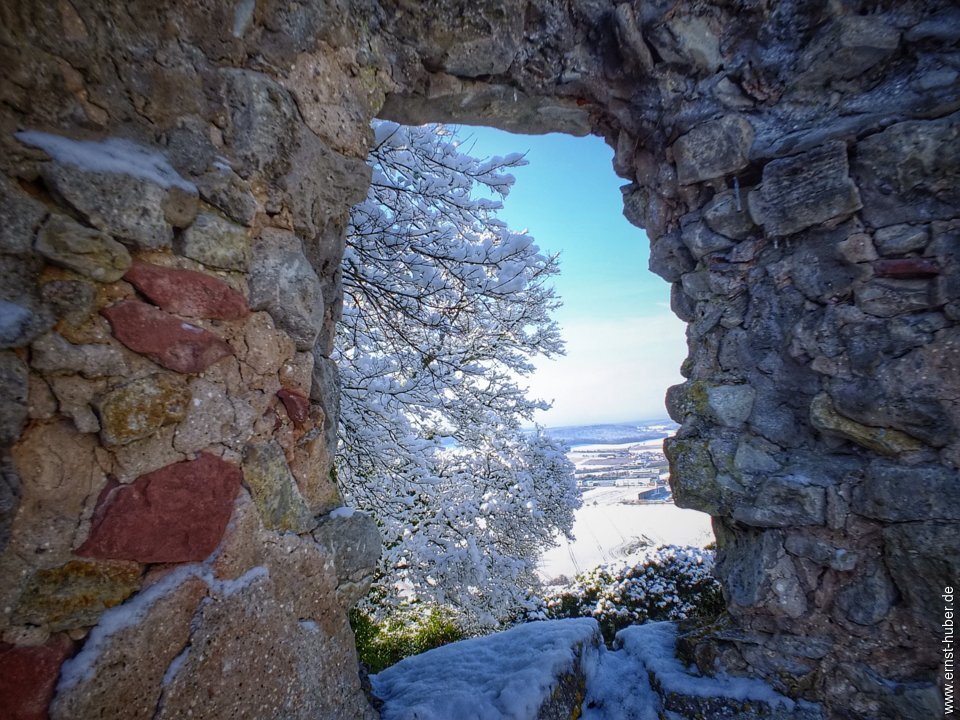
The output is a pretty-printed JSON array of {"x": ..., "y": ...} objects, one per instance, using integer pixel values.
[{"x": 607, "y": 531}]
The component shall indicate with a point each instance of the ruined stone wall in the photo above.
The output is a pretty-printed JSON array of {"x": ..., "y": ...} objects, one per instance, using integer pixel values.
[
  {"x": 170, "y": 251},
  {"x": 171, "y": 227}
]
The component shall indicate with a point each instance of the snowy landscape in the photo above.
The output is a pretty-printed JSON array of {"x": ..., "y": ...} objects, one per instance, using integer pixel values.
[{"x": 627, "y": 506}]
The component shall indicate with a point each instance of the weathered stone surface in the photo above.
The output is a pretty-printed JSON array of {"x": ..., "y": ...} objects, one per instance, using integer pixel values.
[
  {"x": 701, "y": 240},
  {"x": 146, "y": 455},
  {"x": 140, "y": 408},
  {"x": 169, "y": 341},
  {"x": 868, "y": 599},
  {"x": 727, "y": 214},
  {"x": 187, "y": 292},
  {"x": 353, "y": 541},
  {"x": 886, "y": 441},
  {"x": 28, "y": 676},
  {"x": 325, "y": 391},
  {"x": 713, "y": 149},
  {"x": 923, "y": 558},
  {"x": 906, "y": 268},
  {"x": 688, "y": 40},
  {"x": 13, "y": 397},
  {"x": 730, "y": 405},
  {"x": 123, "y": 188},
  {"x": 888, "y": 297},
  {"x": 312, "y": 466},
  {"x": 283, "y": 283},
  {"x": 302, "y": 635},
  {"x": 89, "y": 252},
  {"x": 267, "y": 348},
  {"x": 72, "y": 301},
  {"x": 52, "y": 354},
  {"x": 274, "y": 489},
  {"x": 904, "y": 493},
  {"x": 217, "y": 242},
  {"x": 128, "y": 665},
  {"x": 804, "y": 190},
  {"x": 15, "y": 324},
  {"x": 176, "y": 514},
  {"x": 916, "y": 162},
  {"x": 901, "y": 239},
  {"x": 20, "y": 216},
  {"x": 224, "y": 189},
  {"x": 822, "y": 553},
  {"x": 296, "y": 405},
  {"x": 670, "y": 258},
  {"x": 693, "y": 476},
  {"x": 75, "y": 594},
  {"x": 848, "y": 47},
  {"x": 789, "y": 501},
  {"x": 210, "y": 418}
]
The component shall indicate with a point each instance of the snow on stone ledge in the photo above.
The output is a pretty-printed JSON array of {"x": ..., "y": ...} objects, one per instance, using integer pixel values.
[
  {"x": 113, "y": 155},
  {"x": 505, "y": 676}
]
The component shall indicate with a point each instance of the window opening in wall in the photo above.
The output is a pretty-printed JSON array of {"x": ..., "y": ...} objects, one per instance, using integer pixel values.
[{"x": 448, "y": 340}]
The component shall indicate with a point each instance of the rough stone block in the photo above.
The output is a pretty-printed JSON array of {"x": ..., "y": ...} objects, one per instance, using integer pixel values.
[
  {"x": 169, "y": 341},
  {"x": 20, "y": 216},
  {"x": 210, "y": 418},
  {"x": 217, "y": 242},
  {"x": 187, "y": 292},
  {"x": 52, "y": 354},
  {"x": 868, "y": 598},
  {"x": 822, "y": 553},
  {"x": 13, "y": 397},
  {"x": 274, "y": 489},
  {"x": 283, "y": 283},
  {"x": 713, "y": 149},
  {"x": 849, "y": 47},
  {"x": 886, "y": 441},
  {"x": 889, "y": 297},
  {"x": 89, "y": 252},
  {"x": 28, "y": 676},
  {"x": 805, "y": 190},
  {"x": 120, "y": 187},
  {"x": 296, "y": 405},
  {"x": 140, "y": 408},
  {"x": 354, "y": 543},
  {"x": 923, "y": 558},
  {"x": 76, "y": 594},
  {"x": 897, "y": 493},
  {"x": 907, "y": 268},
  {"x": 727, "y": 214},
  {"x": 790, "y": 501},
  {"x": 175, "y": 514},
  {"x": 901, "y": 239},
  {"x": 915, "y": 162}
]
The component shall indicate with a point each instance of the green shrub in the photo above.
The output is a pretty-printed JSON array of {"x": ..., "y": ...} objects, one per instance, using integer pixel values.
[{"x": 380, "y": 644}]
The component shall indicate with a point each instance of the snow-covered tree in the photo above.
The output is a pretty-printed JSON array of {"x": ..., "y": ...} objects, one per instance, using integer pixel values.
[{"x": 444, "y": 308}]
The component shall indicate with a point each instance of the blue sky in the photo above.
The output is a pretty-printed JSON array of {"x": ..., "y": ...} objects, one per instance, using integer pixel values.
[{"x": 624, "y": 346}]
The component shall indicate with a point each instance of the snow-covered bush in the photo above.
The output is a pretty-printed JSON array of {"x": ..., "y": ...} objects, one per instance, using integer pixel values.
[{"x": 672, "y": 583}]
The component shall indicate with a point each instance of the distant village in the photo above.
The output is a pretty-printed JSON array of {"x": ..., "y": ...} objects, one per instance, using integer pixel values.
[{"x": 641, "y": 465}]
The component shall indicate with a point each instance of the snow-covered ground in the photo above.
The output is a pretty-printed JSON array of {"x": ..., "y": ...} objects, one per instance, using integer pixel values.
[
  {"x": 512, "y": 674},
  {"x": 608, "y": 531}
]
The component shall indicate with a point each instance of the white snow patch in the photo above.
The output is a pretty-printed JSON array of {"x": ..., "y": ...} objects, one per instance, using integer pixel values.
[
  {"x": 113, "y": 155},
  {"x": 12, "y": 317},
  {"x": 191, "y": 328},
  {"x": 505, "y": 676},
  {"x": 80, "y": 668},
  {"x": 651, "y": 647},
  {"x": 343, "y": 512},
  {"x": 310, "y": 626},
  {"x": 174, "y": 667}
]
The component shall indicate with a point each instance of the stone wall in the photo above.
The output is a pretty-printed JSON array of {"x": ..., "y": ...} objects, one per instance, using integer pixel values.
[{"x": 174, "y": 189}]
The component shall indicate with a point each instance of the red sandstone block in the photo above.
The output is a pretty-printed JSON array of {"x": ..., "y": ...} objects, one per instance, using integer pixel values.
[
  {"x": 175, "y": 514},
  {"x": 298, "y": 407},
  {"x": 906, "y": 268},
  {"x": 187, "y": 292},
  {"x": 28, "y": 676},
  {"x": 166, "y": 339}
]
